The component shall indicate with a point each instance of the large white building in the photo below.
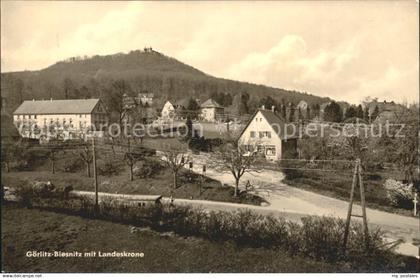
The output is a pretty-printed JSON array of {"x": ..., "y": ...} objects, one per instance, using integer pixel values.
[
  {"x": 266, "y": 133},
  {"x": 67, "y": 119}
]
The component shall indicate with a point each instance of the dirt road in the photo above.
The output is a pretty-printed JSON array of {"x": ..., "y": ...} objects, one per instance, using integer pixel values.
[{"x": 290, "y": 200}]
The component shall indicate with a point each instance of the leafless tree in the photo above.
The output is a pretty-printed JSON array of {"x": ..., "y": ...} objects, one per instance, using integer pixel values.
[
  {"x": 52, "y": 156},
  {"x": 237, "y": 160},
  {"x": 131, "y": 156},
  {"x": 175, "y": 159},
  {"x": 87, "y": 157},
  {"x": 116, "y": 99}
]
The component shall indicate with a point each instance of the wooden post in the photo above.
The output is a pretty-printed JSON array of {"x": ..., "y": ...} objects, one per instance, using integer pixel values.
[
  {"x": 95, "y": 175},
  {"x": 363, "y": 204},
  {"x": 353, "y": 185},
  {"x": 357, "y": 179},
  {"x": 415, "y": 201}
]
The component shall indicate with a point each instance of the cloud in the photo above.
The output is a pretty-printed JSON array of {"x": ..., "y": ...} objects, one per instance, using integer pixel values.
[
  {"x": 338, "y": 72},
  {"x": 343, "y": 50}
]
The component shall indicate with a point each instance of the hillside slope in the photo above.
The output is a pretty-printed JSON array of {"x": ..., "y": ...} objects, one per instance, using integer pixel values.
[{"x": 148, "y": 70}]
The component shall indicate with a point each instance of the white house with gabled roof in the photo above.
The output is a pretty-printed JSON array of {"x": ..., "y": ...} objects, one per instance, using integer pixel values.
[
  {"x": 168, "y": 111},
  {"x": 268, "y": 134},
  {"x": 211, "y": 111}
]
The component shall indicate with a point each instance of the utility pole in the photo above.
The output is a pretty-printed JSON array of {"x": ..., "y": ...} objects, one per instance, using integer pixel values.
[
  {"x": 95, "y": 175},
  {"x": 357, "y": 179}
]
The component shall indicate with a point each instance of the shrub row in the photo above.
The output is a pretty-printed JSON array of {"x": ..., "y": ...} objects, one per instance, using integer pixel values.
[{"x": 320, "y": 238}]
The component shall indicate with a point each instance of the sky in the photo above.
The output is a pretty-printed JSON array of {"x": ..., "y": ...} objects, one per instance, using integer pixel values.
[{"x": 346, "y": 50}]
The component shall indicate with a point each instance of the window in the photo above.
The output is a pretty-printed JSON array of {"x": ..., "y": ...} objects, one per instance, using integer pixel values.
[
  {"x": 249, "y": 148},
  {"x": 260, "y": 149},
  {"x": 34, "y": 116},
  {"x": 265, "y": 134},
  {"x": 24, "y": 116},
  {"x": 29, "y": 116},
  {"x": 270, "y": 150},
  {"x": 252, "y": 134}
]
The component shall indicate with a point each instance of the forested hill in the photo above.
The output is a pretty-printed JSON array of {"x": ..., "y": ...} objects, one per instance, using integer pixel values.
[{"x": 146, "y": 70}]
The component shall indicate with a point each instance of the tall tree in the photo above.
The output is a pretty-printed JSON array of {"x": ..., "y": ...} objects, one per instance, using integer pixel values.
[
  {"x": 333, "y": 112},
  {"x": 308, "y": 113},
  {"x": 315, "y": 110},
  {"x": 375, "y": 113},
  {"x": 114, "y": 99},
  {"x": 192, "y": 108},
  {"x": 292, "y": 112},
  {"x": 366, "y": 114},
  {"x": 350, "y": 112},
  {"x": 359, "y": 111},
  {"x": 87, "y": 157},
  {"x": 68, "y": 87}
]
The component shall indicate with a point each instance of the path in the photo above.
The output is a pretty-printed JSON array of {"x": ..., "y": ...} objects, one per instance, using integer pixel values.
[{"x": 283, "y": 198}]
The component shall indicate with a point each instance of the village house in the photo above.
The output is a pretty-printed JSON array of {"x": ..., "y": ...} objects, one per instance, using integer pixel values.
[
  {"x": 211, "y": 111},
  {"x": 138, "y": 109},
  {"x": 266, "y": 134},
  {"x": 69, "y": 119},
  {"x": 302, "y": 105},
  {"x": 387, "y": 110},
  {"x": 145, "y": 98},
  {"x": 168, "y": 111}
]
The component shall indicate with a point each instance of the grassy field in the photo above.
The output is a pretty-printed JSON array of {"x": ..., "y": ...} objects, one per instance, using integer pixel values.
[
  {"x": 26, "y": 230},
  {"x": 160, "y": 183}
]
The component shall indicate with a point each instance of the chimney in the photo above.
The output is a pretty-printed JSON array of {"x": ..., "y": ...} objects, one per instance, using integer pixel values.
[
  {"x": 33, "y": 99},
  {"x": 263, "y": 107},
  {"x": 273, "y": 108},
  {"x": 51, "y": 99}
]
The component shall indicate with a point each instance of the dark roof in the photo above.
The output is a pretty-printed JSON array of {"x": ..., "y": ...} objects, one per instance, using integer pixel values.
[
  {"x": 182, "y": 103},
  {"x": 384, "y": 106},
  {"x": 385, "y": 116},
  {"x": 210, "y": 103},
  {"x": 277, "y": 123},
  {"x": 62, "y": 106}
]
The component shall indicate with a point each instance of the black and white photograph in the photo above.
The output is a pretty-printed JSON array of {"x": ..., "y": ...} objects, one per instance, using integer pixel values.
[{"x": 210, "y": 137}]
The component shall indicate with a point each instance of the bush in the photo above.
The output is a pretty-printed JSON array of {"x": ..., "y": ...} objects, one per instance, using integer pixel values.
[
  {"x": 399, "y": 194},
  {"x": 147, "y": 168},
  {"x": 25, "y": 195},
  {"x": 72, "y": 165},
  {"x": 204, "y": 145},
  {"x": 107, "y": 167},
  {"x": 317, "y": 237}
]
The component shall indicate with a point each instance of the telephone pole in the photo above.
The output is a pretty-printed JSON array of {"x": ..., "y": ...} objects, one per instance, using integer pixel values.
[
  {"x": 357, "y": 180},
  {"x": 95, "y": 175}
]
